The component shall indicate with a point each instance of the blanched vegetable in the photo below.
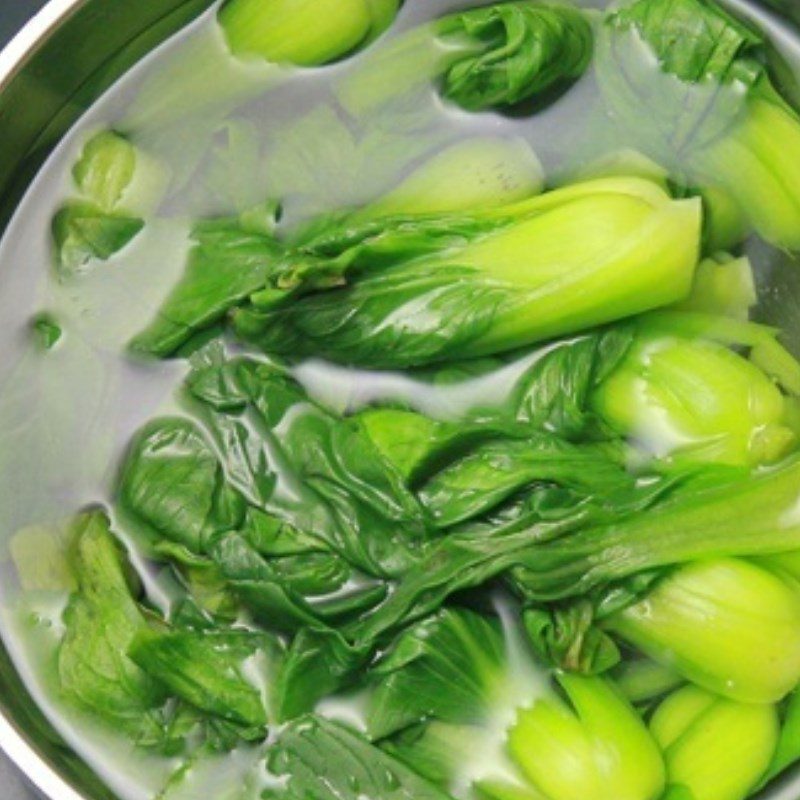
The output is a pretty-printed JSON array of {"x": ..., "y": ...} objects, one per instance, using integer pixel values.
[
  {"x": 233, "y": 258},
  {"x": 692, "y": 400},
  {"x": 724, "y": 513},
  {"x": 227, "y": 262},
  {"x": 723, "y": 285},
  {"x": 118, "y": 184},
  {"x": 452, "y": 667},
  {"x": 101, "y": 621},
  {"x": 116, "y": 175},
  {"x": 482, "y": 479},
  {"x": 594, "y": 747},
  {"x": 82, "y": 233},
  {"x": 476, "y": 173},
  {"x": 316, "y": 759},
  {"x": 715, "y": 748},
  {"x": 414, "y": 294},
  {"x": 254, "y": 49},
  {"x": 708, "y": 619},
  {"x": 710, "y": 111},
  {"x": 306, "y": 33},
  {"x": 457, "y": 687},
  {"x": 209, "y": 669},
  {"x": 499, "y": 55}
]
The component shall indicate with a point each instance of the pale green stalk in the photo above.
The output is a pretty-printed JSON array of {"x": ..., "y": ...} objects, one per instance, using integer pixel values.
[{"x": 708, "y": 619}]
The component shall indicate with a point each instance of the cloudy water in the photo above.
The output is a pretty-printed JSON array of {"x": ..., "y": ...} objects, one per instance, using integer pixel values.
[{"x": 71, "y": 393}]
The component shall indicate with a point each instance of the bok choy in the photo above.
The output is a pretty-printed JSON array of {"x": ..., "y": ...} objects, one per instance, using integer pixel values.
[
  {"x": 711, "y": 110},
  {"x": 706, "y": 619},
  {"x": 714, "y": 748},
  {"x": 254, "y": 47},
  {"x": 420, "y": 290},
  {"x": 117, "y": 186},
  {"x": 498, "y": 55},
  {"x": 480, "y": 479}
]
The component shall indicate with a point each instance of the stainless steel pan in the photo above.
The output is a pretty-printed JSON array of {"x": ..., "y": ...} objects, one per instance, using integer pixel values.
[{"x": 52, "y": 72}]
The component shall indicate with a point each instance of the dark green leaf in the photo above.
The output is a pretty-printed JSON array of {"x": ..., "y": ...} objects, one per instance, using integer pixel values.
[
  {"x": 448, "y": 667},
  {"x": 342, "y": 491},
  {"x": 318, "y": 663},
  {"x": 260, "y": 586},
  {"x": 101, "y": 621},
  {"x": 174, "y": 483},
  {"x": 743, "y": 515},
  {"x": 227, "y": 263},
  {"x": 214, "y": 671},
  {"x": 417, "y": 445},
  {"x": 523, "y": 50},
  {"x": 443, "y": 309},
  {"x": 493, "y": 472},
  {"x": 555, "y": 393},
  {"x": 322, "y": 760}
]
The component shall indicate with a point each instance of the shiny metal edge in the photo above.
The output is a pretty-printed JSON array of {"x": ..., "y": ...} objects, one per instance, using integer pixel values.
[
  {"x": 14, "y": 55},
  {"x": 13, "y": 58},
  {"x": 36, "y": 770}
]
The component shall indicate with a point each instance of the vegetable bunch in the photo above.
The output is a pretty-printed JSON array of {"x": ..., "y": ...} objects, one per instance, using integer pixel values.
[{"x": 577, "y": 577}]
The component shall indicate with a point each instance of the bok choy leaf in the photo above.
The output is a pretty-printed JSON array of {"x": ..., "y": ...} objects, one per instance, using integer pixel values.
[
  {"x": 423, "y": 290},
  {"x": 712, "y": 112}
]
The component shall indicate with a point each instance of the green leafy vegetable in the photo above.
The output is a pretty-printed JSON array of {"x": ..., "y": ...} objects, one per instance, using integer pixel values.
[
  {"x": 552, "y": 265},
  {"x": 711, "y": 109},
  {"x": 707, "y": 619},
  {"x": 556, "y": 393},
  {"x": 724, "y": 286},
  {"x": 452, "y": 667},
  {"x": 569, "y": 638},
  {"x": 255, "y": 48},
  {"x": 478, "y": 172},
  {"x": 117, "y": 176},
  {"x": 714, "y": 748},
  {"x": 101, "y": 621},
  {"x": 497, "y": 470},
  {"x": 305, "y": 33},
  {"x": 210, "y": 670},
  {"x": 174, "y": 482},
  {"x": 486, "y": 57},
  {"x": 642, "y": 680},
  {"x": 82, "y": 233},
  {"x": 226, "y": 263},
  {"x": 322, "y": 760},
  {"x": 725, "y": 514},
  {"x": 687, "y": 399},
  {"x": 118, "y": 184},
  {"x": 593, "y": 745}
]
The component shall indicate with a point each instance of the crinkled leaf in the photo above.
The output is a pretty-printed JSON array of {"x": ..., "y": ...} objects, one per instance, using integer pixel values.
[
  {"x": 447, "y": 667},
  {"x": 172, "y": 480},
  {"x": 323, "y": 760},
  {"x": 214, "y": 671},
  {"x": 567, "y": 638},
  {"x": 226, "y": 263},
  {"x": 497, "y": 470},
  {"x": 101, "y": 621},
  {"x": 524, "y": 49}
]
